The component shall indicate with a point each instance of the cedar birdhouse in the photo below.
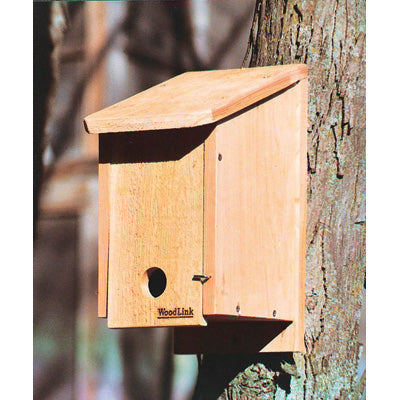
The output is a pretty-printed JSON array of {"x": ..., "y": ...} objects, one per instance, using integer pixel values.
[{"x": 202, "y": 209}]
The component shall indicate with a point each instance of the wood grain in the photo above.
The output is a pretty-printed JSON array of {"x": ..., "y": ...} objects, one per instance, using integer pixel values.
[
  {"x": 210, "y": 157},
  {"x": 194, "y": 98},
  {"x": 156, "y": 221},
  {"x": 293, "y": 335},
  {"x": 260, "y": 201}
]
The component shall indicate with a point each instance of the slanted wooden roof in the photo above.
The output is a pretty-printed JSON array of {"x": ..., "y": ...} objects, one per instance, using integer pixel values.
[{"x": 194, "y": 98}]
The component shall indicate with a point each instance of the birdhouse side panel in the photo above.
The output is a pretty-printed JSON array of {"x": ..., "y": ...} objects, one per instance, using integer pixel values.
[
  {"x": 292, "y": 338},
  {"x": 260, "y": 204}
]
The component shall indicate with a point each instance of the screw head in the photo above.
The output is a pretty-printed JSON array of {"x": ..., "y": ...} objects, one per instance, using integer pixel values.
[
  {"x": 274, "y": 313},
  {"x": 219, "y": 157}
]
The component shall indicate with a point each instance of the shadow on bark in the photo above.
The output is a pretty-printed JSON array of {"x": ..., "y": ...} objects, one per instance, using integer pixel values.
[{"x": 216, "y": 372}]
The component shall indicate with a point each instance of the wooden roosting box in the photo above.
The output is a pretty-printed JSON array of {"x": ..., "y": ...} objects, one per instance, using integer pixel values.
[{"x": 202, "y": 209}]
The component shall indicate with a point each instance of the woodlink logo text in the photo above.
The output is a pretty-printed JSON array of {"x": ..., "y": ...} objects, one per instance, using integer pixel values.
[{"x": 177, "y": 312}]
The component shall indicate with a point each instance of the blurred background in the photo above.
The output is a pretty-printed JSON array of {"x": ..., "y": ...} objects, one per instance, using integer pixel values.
[{"x": 88, "y": 55}]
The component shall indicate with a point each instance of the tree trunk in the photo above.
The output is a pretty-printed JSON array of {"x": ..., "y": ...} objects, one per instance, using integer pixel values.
[{"x": 329, "y": 36}]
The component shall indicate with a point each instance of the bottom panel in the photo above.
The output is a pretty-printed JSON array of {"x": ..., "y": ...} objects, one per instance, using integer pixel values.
[{"x": 230, "y": 337}]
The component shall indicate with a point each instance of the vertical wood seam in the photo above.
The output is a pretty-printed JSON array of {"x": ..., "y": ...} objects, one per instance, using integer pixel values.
[{"x": 209, "y": 211}]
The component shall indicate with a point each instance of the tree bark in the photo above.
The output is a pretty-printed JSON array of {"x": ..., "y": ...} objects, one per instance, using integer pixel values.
[{"x": 329, "y": 36}]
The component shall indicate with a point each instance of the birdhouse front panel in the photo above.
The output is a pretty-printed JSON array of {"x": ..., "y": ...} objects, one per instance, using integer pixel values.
[{"x": 156, "y": 229}]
